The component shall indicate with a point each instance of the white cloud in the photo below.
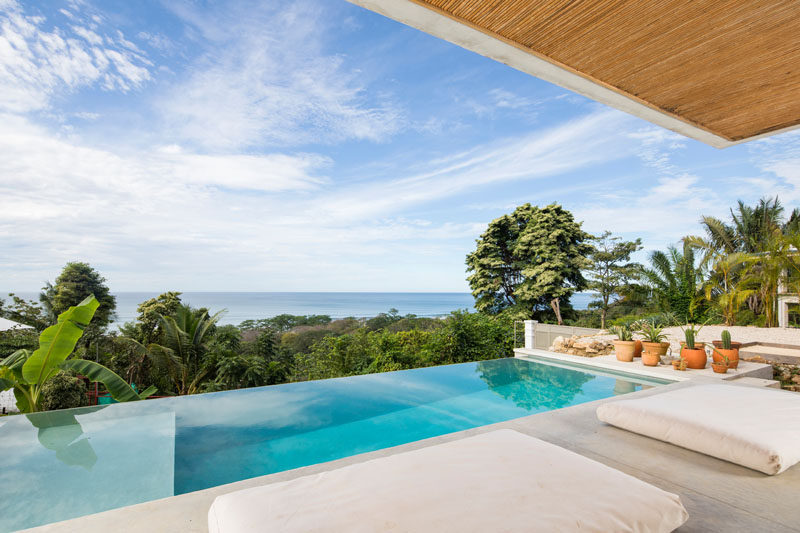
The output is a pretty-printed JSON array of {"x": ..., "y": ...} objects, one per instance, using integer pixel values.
[
  {"x": 36, "y": 64},
  {"x": 506, "y": 99},
  {"x": 185, "y": 218},
  {"x": 264, "y": 79}
]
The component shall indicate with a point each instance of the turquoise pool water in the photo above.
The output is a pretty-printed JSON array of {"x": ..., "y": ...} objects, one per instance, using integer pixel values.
[{"x": 64, "y": 464}]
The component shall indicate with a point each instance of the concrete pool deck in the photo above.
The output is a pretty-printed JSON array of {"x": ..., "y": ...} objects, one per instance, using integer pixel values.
[
  {"x": 746, "y": 369},
  {"x": 719, "y": 496}
]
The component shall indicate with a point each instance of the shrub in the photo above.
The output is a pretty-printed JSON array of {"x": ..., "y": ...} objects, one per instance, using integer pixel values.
[{"x": 64, "y": 391}]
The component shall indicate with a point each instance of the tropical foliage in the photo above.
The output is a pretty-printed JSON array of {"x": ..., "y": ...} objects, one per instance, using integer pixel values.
[
  {"x": 28, "y": 373},
  {"x": 527, "y": 264}
]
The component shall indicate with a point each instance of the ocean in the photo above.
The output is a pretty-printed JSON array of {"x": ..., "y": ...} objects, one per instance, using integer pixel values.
[{"x": 241, "y": 306}]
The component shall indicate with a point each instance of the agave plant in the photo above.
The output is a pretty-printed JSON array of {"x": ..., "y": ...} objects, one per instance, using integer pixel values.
[
  {"x": 26, "y": 372},
  {"x": 651, "y": 332},
  {"x": 623, "y": 332}
]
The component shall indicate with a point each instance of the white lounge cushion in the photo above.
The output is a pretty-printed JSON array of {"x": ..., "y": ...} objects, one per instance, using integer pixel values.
[
  {"x": 753, "y": 427},
  {"x": 497, "y": 481}
]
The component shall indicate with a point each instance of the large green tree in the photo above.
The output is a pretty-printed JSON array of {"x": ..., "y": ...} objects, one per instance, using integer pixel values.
[
  {"x": 610, "y": 270},
  {"x": 76, "y": 282},
  {"x": 528, "y": 260}
]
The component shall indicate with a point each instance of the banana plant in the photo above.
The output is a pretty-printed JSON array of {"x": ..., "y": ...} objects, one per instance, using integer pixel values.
[{"x": 26, "y": 372}]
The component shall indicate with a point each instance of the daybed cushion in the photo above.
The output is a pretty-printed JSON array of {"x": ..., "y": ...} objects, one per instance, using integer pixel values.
[
  {"x": 753, "y": 427},
  {"x": 497, "y": 481}
]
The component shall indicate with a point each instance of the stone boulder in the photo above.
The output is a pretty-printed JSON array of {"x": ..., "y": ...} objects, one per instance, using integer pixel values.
[{"x": 585, "y": 346}]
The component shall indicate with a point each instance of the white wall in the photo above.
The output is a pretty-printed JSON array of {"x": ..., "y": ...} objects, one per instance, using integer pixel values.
[{"x": 8, "y": 401}]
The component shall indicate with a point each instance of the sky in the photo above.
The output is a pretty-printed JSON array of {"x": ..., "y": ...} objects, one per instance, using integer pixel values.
[{"x": 312, "y": 146}]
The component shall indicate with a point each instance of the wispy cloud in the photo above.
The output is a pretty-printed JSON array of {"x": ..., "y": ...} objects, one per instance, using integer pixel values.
[
  {"x": 36, "y": 64},
  {"x": 265, "y": 79},
  {"x": 591, "y": 140}
]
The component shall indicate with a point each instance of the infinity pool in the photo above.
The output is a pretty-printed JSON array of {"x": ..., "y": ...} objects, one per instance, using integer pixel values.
[{"x": 70, "y": 463}]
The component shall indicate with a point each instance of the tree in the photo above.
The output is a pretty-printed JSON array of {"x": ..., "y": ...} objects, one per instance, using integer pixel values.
[
  {"x": 25, "y": 312},
  {"x": 183, "y": 350},
  {"x": 75, "y": 283},
  {"x": 529, "y": 260},
  {"x": 675, "y": 279},
  {"x": 611, "y": 271},
  {"x": 752, "y": 230}
]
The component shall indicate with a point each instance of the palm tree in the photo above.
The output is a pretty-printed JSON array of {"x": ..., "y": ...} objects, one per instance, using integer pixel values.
[
  {"x": 752, "y": 230},
  {"x": 730, "y": 284},
  {"x": 674, "y": 279},
  {"x": 182, "y": 354}
]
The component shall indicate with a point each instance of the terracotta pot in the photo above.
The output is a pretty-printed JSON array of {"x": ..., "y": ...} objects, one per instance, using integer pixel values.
[
  {"x": 719, "y": 368},
  {"x": 734, "y": 345},
  {"x": 697, "y": 344},
  {"x": 637, "y": 350},
  {"x": 650, "y": 358},
  {"x": 696, "y": 358},
  {"x": 718, "y": 354},
  {"x": 677, "y": 365},
  {"x": 624, "y": 350},
  {"x": 660, "y": 348}
]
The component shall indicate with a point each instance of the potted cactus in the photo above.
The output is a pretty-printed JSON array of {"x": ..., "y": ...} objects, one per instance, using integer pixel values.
[
  {"x": 733, "y": 344},
  {"x": 726, "y": 350},
  {"x": 625, "y": 347},
  {"x": 721, "y": 366},
  {"x": 679, "y": 364},
  {"x": 691, "y": 350}
]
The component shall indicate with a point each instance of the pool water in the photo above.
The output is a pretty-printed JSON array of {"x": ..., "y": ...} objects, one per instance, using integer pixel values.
[{"x": 64, "y": 464}]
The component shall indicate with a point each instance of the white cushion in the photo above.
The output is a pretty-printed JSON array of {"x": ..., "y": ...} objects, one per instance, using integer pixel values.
[
  {"x": 498, "y": 481},
  {"x": 754, "y": 427}
]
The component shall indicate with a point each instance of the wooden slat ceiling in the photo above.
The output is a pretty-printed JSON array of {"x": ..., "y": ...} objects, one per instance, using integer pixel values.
[{"x": 729, "y": 67}]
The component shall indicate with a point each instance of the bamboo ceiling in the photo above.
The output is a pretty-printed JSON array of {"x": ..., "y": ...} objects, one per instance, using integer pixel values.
[{"x": 728, "y": 67}]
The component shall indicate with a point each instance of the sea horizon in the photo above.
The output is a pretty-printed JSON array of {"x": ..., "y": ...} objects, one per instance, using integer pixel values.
[{"x": 253, "y": 305}]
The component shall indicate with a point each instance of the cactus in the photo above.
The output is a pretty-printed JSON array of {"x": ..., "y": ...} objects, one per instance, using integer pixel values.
[
  {"x": 689, "y": 333},
  {"x": 726, "y": 340}
]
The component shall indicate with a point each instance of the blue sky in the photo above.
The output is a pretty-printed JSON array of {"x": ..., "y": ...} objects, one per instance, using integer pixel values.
[{"x": 307, "y": 146}]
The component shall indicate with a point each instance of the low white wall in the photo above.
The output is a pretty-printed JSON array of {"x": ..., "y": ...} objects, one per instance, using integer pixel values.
[{"x": 8, "y": 402}]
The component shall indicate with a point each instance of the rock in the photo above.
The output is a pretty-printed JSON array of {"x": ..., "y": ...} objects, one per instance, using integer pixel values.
[
  {"x": 585, "y": 346},
  {"x": 796, "y": 379}
]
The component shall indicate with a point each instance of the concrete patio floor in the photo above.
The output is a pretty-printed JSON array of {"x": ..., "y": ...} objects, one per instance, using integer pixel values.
[
  {"x": 719, "y": 496},
  {"x": 746, "y": 369}
]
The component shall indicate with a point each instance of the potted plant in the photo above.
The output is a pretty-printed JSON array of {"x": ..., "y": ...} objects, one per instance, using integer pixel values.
[
  {"x": 637, "y": 348},
  {"x": 726, "y": 350},
  {"x": 625, "y": 347},
  {"x": 679, "y": 364},
  {"x": 733, "y": 344},
  {"x": 653, "y": 339},
  {"x": 691, "y": 350},
  {"x": 721, "y": 366}
]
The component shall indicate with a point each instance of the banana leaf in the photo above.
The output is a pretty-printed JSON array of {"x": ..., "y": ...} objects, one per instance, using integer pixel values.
[
  {"x": 57, "y": 342},
  {"x": 119, "y": 389}
]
